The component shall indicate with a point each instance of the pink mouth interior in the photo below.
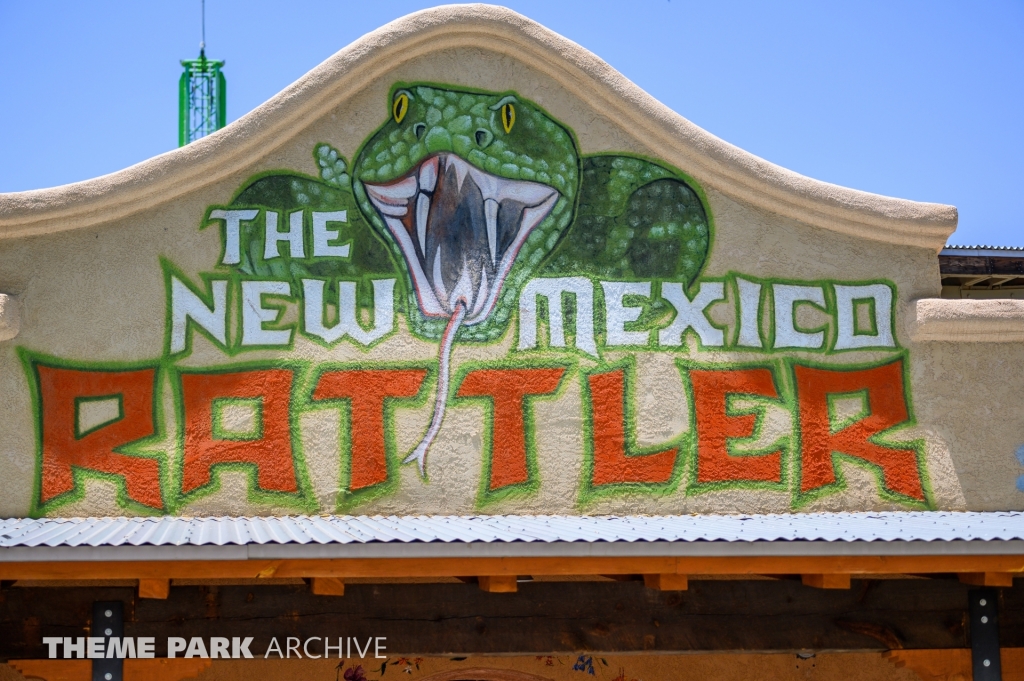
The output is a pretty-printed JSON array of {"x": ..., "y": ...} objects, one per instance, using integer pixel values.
[{"x": 460, "y": 230}]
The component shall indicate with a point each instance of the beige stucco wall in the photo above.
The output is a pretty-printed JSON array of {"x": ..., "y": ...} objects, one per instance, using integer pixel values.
[{"x": 83, "y": 265}]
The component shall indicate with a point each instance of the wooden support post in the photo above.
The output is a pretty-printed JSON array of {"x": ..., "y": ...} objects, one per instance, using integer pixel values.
[
  {"x": 498, "y": 584},
  {"x": 987, "y": 578},
  {"x": 327, "y": 586},
  {"x": 666, "y": 582},
  {"x": 154, "y": 588},
  {"x": 827, "y": 581}
]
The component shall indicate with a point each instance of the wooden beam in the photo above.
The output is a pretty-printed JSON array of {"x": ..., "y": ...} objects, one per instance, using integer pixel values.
[
  {"x": 156, "y": 669},
  {"x": 987, "y": 578},
  {"x": 666, "y": 582},
  {"x": 489, "y": 673},
  {"x": 54, "y": 670},
  {"x": 954, "y": 663},
  {"x": 164, "y": 669},
  {"x": 154, "y": 588},
  {"x": 327, "y": 586},
  {"x": 343, "y": 568},
  {"x": 826, "y": 581},
  {"x": 498, "y": 584},
  {"x": 935, "y": 665},
  {"x": 960, "y": 265}
]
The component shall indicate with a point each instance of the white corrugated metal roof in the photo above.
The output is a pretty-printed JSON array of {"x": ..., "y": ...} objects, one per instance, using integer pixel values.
[
  {"x": 925, "y": 526},
  {"x": 981, "y": 249}
]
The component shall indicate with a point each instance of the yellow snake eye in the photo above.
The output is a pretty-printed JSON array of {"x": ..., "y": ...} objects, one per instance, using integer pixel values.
[
  {"x": 400, "y": 107},
  {"x": 508, "y": 117}
]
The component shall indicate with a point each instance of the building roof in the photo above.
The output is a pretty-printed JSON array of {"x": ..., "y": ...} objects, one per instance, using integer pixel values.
[
  {"x": 406, "y": 536},
  {"x": 980, "y": 250},
  {"x": 956, "y": 247}
]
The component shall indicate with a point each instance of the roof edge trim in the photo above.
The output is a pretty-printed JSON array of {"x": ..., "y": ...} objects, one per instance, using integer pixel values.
[{"x": 967, "y": 320}]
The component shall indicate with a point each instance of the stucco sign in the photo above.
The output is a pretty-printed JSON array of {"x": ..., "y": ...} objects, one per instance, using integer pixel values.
[{"x": 470, "y": 294}]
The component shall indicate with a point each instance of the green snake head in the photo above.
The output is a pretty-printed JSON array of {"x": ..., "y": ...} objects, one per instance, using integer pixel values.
[{"x": 471, "y": 190}]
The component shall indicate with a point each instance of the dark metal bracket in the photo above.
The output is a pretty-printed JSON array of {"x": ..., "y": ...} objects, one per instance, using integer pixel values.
[
  {"x": 107, "y": 623},
  {"x": 984, "y": 613}
]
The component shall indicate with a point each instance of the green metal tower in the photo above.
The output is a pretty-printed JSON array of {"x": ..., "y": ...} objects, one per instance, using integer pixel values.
[{"x": 202, "y": 95}]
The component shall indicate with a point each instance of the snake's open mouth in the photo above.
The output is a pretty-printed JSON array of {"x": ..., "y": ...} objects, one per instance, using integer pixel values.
[{"x": 460, "y": 229}]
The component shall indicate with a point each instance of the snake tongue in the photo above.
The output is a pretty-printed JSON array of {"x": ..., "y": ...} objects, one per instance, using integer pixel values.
[{"x": 459, "y": 229}]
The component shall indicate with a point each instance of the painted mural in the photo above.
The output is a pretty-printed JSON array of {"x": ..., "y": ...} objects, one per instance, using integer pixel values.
[{"x": 539, "y": 277}]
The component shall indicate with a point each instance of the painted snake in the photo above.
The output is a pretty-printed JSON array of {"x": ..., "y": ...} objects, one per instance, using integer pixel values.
[{"x": 465, "y": 195}]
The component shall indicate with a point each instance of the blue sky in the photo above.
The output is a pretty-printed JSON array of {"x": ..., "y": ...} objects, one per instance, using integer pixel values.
[{"x": 921, "y": 100}]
